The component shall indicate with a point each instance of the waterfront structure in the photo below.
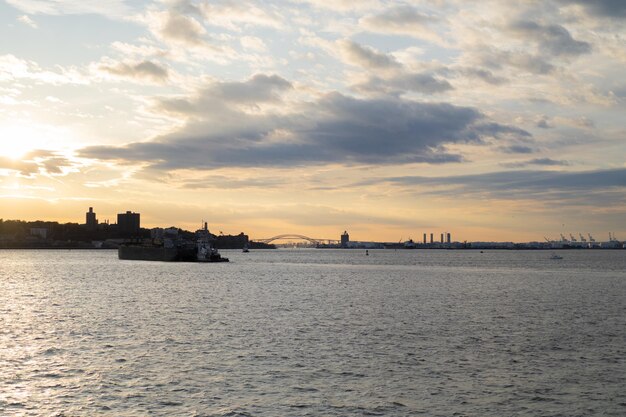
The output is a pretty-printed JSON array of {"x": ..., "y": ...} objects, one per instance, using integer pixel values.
[
  {"x": 448, "y": 238},
  {"x": 91, "y": 222},
  {"x": 128, "y": 224},
  {"x": 432, "y": 238},
  {"x": 424, "y": 238}
]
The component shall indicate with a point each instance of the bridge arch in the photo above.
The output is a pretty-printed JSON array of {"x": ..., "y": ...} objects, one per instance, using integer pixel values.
[{"x": 290, "y": 237}]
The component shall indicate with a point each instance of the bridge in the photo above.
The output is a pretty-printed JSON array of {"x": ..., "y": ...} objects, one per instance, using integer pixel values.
[{"x": 315, "y": 241}]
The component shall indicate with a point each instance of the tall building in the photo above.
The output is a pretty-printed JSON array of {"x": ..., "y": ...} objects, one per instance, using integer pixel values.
[
  {"x": 424, "y": 238},
  {"x": 345, "y": 238},
  {"x": 442, "y": 238},
  {"x": 90, "y": 220},
  {"x": 448, "y": 238},
  {"x": 432, "y": 238},
  {"x": 128, "y": 224}
]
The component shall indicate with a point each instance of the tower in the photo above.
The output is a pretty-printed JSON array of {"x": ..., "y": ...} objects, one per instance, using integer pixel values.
[
  {"x": 345, "y": 238},
  {"x": 91, "y": 222}
]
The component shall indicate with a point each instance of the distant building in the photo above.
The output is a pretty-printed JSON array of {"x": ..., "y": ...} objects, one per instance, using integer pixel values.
[
  {"x": 448, "y": 238},
  {"x": 424, "y": 238},
  {"x": 40, "y": 232},
  {"x": 432, "y": 238},
  {"x": 90, "y": 220},
  {"x": 128, "y": 224},
  {"x": 345, "y": 239},
  {"x": 442, "y": 238}
]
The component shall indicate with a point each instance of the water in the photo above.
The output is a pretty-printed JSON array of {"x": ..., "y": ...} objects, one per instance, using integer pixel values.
[{"x": 314, "y": 333}]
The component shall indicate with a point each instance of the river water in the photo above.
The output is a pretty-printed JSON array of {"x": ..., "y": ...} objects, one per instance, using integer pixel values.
[{"x": 314, "y": 333}]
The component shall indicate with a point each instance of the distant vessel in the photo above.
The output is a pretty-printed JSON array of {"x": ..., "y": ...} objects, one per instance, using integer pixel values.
[
  {"x": 172, "y": 248},
  {"x": 245, "y": 249},
  {"x": 555, "y": 256}
]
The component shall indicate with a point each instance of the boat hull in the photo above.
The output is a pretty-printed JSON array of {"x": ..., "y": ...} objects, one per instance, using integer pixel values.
[
  {"x": 159, "y": 253},
  {"x": 143, "y": 253}
]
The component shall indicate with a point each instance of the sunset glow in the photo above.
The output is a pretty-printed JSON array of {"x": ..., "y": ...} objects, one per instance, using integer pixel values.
[{"x": 387, "y": 119}]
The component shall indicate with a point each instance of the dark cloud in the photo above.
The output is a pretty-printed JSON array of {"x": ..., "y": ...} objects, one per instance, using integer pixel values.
[
  {"x": 554, "y": 40},
  {"x": 522, "y": 184},
  {"x": 335, "y": 129},
  {"x": 402, "y": 83},
  {"x": 483, "y": 74},
  {"x": 366, "y": 56},
  {"x": 544, "y": 123},
  {"x": 229, "y": 183},
  {"x": 547, "y": 162},
  {"x": 259, "y": 89},
  {"x": 497, "y": 59},
  {"x": 36, "y": 162},
  {"x": 605, "y": 8},
  {"x": 141, "y": 70},
  {"x": 537, "y": 161},
  {"x": 517, "y": 149}
]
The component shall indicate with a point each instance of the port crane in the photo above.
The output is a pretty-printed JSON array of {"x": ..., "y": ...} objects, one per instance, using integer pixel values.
[{"x": 582, "y": 238}]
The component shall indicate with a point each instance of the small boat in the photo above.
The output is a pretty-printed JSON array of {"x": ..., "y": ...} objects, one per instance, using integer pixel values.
[
  {"x": 245, "y": 249},
  {"x": 555, "y": 256}
]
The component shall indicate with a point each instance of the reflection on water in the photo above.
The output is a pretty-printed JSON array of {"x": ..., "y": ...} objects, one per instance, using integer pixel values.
[{"x": 314, "y": 332}]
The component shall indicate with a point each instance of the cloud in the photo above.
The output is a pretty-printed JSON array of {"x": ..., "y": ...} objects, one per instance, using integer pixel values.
[
  {"x": 537, "y": 161},
  {"x": 522, "y": 184},
  {"x": 483, "y": 75},
  {"x": 218, "y": 97},
  {"x": 236, "y": 15},
  {"x": 388, "y": 75},
  {"x": 253, "y": 43},
  {"x": 402, "y": 20},
  {"x": 111, "y": 8},
  {"x": 27, "y": 21},
  {"x": 405, "y": 82},
  {"x": 365, "y": 56},
  {"x": 334, "y": 129},
  {"x": 604, "y": 8},
  {"x": 171, "y": 26},
  {"x": 517, "y": 149},
  {"x": 498, "y": 59},
  {"x": 342, "y": 5},
  {"x": 553, "y": 40},
  {"x": 141, "y": 71},
  {"x": 13, "y": 68},
  {"x": 37, "y": 162}
]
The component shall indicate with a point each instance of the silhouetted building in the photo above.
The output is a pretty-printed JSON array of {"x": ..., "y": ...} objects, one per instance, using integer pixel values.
[
  {"x": 424, "y": 238},
  {"x": 90, "y": 221},
  {"x": 128, "y": 224},
  {"x": 442, "y": 238},
  {"x": 448, "y": 238},
  {"x": 432, "y": 238},
  {"x": 345, "y": 239}
]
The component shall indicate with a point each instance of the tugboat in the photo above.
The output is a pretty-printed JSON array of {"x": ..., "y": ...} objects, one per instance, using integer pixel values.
[{"x": 173, "y": 248}]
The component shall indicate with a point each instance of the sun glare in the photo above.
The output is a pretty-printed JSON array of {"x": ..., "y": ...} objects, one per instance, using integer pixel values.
[{"x": 17, "y": 140}]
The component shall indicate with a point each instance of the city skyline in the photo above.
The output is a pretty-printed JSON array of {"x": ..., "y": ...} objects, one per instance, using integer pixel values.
[{"x": 387, "y": 119}]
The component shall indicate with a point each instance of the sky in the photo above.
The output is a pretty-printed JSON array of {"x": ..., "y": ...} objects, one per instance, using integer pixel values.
[{"x": 491, "y": 120}]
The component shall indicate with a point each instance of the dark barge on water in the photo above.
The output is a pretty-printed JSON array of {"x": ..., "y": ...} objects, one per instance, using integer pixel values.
[{"x": 171, "y": 247}]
